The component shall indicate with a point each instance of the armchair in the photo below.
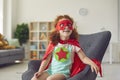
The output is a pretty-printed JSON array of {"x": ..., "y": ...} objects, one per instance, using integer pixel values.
[{"x": 94, "y": 45}]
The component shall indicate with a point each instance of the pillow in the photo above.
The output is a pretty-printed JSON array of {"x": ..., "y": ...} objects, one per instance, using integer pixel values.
[{"x": 14, "y": 42}]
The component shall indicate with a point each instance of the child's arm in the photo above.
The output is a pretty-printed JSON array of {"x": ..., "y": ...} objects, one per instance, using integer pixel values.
[
  {"x": 44, "y": 63},
  {"x": 88, "y": 61},
  {"x": 43, "y": 66}
]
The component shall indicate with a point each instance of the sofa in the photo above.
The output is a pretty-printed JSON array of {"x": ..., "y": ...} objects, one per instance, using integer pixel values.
[
  {"x": 94, "y": 45},
  {"x": 11, "y": 55}
]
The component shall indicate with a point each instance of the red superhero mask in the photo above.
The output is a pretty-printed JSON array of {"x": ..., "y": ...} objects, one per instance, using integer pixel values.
[{"x": 63, "y": 24}]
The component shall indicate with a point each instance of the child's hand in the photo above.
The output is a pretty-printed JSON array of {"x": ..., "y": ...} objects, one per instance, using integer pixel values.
[
  {"x": 37, "y": 74},
  {"x": 94, "y": 67}
]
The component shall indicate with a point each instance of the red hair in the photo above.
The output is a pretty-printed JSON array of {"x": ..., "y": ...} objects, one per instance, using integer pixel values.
[{"x": 55, "y": 36}]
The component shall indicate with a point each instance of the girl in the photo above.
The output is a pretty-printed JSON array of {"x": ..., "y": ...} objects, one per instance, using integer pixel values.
[{"x": 64, "y": 57}]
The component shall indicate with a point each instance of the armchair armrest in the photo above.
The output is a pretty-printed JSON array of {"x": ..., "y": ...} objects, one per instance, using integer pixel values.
[
  {"x": 83, "y": 74},
  {"x": 33, "y": 67}
]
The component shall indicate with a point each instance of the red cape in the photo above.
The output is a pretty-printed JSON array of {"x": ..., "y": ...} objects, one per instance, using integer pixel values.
[{"x": 78, "y": 65}]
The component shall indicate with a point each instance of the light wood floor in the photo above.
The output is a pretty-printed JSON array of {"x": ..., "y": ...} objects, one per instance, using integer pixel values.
[{"x": 14, "y": 72}]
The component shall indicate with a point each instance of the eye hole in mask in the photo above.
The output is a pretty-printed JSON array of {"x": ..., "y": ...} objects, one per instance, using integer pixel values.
[
  {"x": 61, "y": 25},
  {"x": 69, "y": 25}
]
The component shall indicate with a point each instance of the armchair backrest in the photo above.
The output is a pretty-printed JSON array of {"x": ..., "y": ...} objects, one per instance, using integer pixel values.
[{"x": 94, "y": 45}]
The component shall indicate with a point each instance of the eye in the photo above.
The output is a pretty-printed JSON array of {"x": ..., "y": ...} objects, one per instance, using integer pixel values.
[
  {"x": 61, "y": 25},
  {"x": 69, "y": 25}
]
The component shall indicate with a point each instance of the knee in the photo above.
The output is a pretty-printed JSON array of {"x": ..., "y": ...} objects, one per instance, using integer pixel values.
[
  {"x": 50, "y": 78},
  {"x": 33, "y": 78}
]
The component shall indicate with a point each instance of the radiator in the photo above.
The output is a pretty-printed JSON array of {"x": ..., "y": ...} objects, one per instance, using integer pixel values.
[{"x": 112, "y": 54}]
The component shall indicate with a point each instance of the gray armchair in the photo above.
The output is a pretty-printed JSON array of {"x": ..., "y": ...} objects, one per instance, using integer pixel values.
[{"x": 94, "y": 45}]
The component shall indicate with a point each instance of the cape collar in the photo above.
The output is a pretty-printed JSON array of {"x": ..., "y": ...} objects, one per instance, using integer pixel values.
[
  {"x": 63, "y": 41},
  {"x": 66, "y": 41}
]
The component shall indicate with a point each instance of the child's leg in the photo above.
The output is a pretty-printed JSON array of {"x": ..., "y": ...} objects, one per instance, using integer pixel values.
[
  {"x": 56, "y": 77},
  {"x": 43, "y": 76}
]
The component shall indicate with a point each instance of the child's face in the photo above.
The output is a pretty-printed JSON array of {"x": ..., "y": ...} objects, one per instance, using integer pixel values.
[{"x": 65, "y": 27}]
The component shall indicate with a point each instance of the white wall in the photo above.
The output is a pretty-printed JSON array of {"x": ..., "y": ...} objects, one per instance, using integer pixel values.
[
  {"x": 119, "y": 18},
  {"x": 7, "y": 19},
  {"x": 101, "y": 13},
  {"x": 1, "y": 16},
  {"x": 10, "y": 17}
]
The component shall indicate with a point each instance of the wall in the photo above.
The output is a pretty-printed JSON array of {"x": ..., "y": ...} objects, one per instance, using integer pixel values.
[
  {"x": 1, "y": 16},
  {"x": 119, "y": 19},
  {"x": 7, "y": 25},
  {"x": 102, "y": 14},
  {"x": 9, "y": 17}
]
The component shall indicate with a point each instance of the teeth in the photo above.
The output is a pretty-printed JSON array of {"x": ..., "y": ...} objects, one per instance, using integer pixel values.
[{"x": 66, "y": 31}]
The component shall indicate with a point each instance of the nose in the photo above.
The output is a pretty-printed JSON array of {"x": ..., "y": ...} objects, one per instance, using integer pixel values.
[{"x": 66, "y": 27}]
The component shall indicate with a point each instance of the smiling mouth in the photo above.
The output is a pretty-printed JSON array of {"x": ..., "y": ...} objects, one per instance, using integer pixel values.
[{"x": 66, "y": 31}]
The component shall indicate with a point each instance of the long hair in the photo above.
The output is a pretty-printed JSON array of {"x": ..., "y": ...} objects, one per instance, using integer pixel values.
[{"x": 55, "y": 36}]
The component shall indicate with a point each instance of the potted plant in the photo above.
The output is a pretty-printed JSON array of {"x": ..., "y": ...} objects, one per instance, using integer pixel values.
[{"x": 22, "y": 33}]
